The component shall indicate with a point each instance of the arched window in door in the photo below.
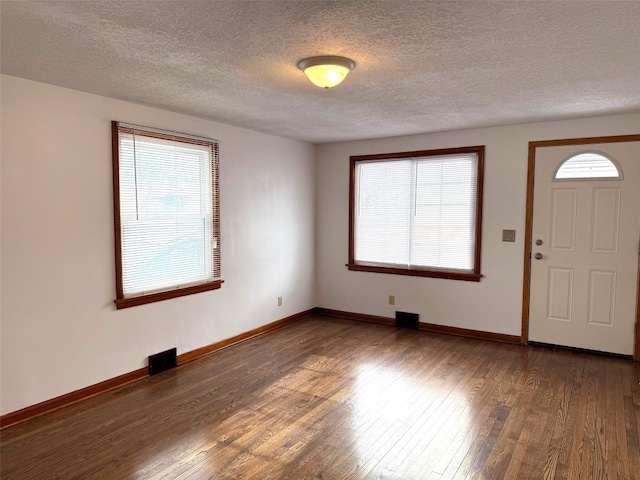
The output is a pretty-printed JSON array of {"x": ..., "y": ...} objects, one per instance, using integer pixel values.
[{"x": 588, "y": 166}]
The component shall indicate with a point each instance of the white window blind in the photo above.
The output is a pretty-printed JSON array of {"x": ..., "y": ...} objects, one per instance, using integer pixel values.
[
  {"x": 417, "y": 212},
  {"x": 168, "y": 212}
]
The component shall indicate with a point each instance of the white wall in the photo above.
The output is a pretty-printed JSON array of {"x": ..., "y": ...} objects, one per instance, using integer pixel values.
[
  {"x": 494, "y": 304},
  {"x": 60, "y": 330}
]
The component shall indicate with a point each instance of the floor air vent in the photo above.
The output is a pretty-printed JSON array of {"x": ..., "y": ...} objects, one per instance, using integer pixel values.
[
  {"x": 407, "y": 320},
  {"x": 162, "y": 361}
]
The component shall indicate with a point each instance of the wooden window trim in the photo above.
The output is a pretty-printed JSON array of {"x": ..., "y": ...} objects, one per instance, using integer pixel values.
[
  {"x": 125, "y": 302},
  {"x": 165, "y": 295},
  {"x": 473, "y": 276}
]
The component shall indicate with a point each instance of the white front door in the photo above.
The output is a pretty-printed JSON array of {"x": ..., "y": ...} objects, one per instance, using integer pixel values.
[{"x": 585, "y": 247}]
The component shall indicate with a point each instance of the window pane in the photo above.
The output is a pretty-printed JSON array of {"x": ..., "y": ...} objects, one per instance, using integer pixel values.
[
  {"x": 588, "y": 165},
  {"x": 382, "y": 216},
  {"x": 443, "y": 234},
  {"x": 165, "y": 178},
  {"x": 157, "y": 254}
]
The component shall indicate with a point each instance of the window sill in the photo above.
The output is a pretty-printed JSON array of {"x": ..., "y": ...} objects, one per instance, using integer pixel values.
[
  {"x": 159, "y": 296},
  {"x": 415, "y": 272}
]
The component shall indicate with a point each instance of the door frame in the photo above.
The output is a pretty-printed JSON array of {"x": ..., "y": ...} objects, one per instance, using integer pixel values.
[{"x": 524, "y": 335}]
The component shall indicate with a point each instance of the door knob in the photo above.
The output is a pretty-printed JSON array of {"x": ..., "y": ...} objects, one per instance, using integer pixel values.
[
  {"x": 538, "y": 242},
  {"x": 538, "y": 256}
]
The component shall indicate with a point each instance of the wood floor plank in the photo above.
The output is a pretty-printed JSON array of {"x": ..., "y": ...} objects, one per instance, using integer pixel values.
[
  {"x": 328, "y": 398},
  {"x": 386, "y": 405},
  {"x": 616, "y": 437},
  {"x": 566, "y": 396},
  {"x": 501, "y": 454},
  {"x": 449, "y": 397},
  {"x": 430, "y": 456},
  {"x": 486, "y": 412},
  {"x": 424, "y": 410}
]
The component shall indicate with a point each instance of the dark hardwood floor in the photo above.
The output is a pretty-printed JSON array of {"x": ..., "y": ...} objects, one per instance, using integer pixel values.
[{"x": 330, "y": 399}]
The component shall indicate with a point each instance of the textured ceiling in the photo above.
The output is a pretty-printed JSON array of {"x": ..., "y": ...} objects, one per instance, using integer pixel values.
[{"x": 422, "y": 66}]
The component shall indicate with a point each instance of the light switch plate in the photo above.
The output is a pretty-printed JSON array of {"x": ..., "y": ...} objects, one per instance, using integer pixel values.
[{"x": 508, "y": 235}]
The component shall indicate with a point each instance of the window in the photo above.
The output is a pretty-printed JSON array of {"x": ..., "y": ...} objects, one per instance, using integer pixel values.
[
  {"x": 588, "y": 166},
  {"x": 417, "y": 213},
  {"x": 166, "y": 207}
]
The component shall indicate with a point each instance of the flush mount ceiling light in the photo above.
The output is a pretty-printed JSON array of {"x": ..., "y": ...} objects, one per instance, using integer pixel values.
[{"x": 326, "y": 71}]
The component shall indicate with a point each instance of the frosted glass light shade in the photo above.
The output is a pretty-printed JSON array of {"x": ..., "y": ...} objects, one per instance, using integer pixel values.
[
  {"x": 326, "y": 71},
  {"x": 326, "y": 76}
]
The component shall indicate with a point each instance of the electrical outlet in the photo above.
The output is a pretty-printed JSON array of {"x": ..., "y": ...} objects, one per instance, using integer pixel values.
[
  {"x": 392, "y": 299},
  {"x": 279, "y": 301}
]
